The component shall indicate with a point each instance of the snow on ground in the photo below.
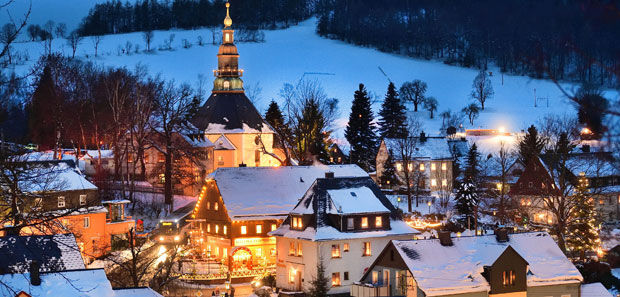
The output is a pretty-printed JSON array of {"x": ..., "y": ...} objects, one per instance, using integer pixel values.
[
  {"x": 150, "y": 207},
  {"x": 298, "y": 52}
]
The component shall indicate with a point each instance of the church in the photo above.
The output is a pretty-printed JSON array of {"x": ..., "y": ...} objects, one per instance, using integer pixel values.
[{"x": 230, "y": 120}]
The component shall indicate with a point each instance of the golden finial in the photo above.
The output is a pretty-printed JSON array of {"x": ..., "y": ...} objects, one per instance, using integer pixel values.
[{"x": 227, "y": 20}]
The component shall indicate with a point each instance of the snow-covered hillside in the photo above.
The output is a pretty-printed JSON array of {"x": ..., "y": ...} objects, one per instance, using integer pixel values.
[{"x": 295, "y": 53}]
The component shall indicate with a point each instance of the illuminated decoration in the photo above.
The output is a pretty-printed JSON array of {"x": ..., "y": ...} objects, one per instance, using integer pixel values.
[
  {"x": 421, "y": 224},
  {"x": 586, "y": 131},
  {"x": 254, "y": 241},
  {"x": 228, "y": 75}
]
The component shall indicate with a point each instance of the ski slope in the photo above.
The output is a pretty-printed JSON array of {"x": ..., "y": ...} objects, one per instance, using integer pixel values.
[{"x": 299, "y": 53}]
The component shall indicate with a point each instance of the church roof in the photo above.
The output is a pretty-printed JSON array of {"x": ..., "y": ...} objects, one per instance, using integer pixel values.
[{"x": 230, "y": 113}]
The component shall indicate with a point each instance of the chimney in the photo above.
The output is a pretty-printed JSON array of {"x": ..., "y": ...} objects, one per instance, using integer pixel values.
[
  {"x": 329, "y": 174},
  {"x": 444, "y": 238},
  {"x": 243, "y": 165},
  {"x": 501, "y": 234},
  {"x": 585, "y": 148},
  {"x": 35, "y": 276},
  {"x": 422, "y": 136}
]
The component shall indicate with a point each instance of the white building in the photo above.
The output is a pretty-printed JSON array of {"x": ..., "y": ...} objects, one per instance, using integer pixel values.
[{"x": 345, "y": 222}]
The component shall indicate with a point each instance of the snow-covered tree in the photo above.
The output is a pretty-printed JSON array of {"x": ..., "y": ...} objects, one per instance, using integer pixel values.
[
  {"x": 392, "y": 116},
  {"x": 360, "y": 131},
  {"x": 467, "y": 201},
  {"x": 530, "y": 145},
  {"x": 472, "y": 165}
]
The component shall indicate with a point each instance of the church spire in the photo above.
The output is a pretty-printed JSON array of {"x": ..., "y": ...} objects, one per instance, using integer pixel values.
[{"x": 228, "y": 75}]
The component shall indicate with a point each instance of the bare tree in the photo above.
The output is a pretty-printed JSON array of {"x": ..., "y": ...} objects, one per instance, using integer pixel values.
[
  {"x": 414, "y": 92},
  {"x": 406, "y": 148},
  {"x": 482, "y": 88},
  {"x": 95, "y": 40},
  {"x": 48, "y": 27},
  {"x": 7, "y": 35},
  {"x": 74, "y": 40},
  {"x": 504, "y": 159},
  {"x": 430, "y": 104},
  {"x": 16, "y": 28},
  {"x": 472, "y": 111},
  {"x": 148, "y": 38},
  {"x": 61, "y": 30}
]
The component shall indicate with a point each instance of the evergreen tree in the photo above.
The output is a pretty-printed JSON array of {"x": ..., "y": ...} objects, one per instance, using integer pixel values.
[
  {"x": 44, "y": 112},
  {"x": 312, "y": 135},
  {"x": 273, "y": 115},
  {"x": 583, "y": 231},
  {"x": 319, "y": 285},
  {"x": 360, "y": 131},
  {"x": 467, "y": 201},
  {"x": 472, "y": 165},
  {"x": 530, "y": 146},
  {"x": 388, "y": 175},
  {"x": 392, "y": 115}
]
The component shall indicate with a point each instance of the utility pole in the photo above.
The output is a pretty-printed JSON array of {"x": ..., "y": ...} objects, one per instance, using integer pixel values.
[{"x": 535, "y": 98}]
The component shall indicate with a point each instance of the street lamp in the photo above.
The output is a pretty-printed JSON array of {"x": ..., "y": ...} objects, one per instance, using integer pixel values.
[{"x": 429, "y": 207}]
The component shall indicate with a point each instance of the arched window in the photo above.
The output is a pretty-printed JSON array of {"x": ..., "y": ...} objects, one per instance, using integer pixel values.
[
  {"x": 227, "y": 37},
  {"x": 226, "y": 85}
]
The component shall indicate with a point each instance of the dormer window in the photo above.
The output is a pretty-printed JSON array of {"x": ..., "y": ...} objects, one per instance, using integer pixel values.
[
  {"x": 364, "y": 222},
  {"x": 298, "y": 223},
  {"x": 508, "y": 278},
  {"x": 351, "y": 222},
  {"x": 379, "y": 222}
]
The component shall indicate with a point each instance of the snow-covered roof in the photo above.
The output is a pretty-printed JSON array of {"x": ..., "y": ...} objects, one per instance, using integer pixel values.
[
  {"x": 222, "y": 143},
  {"x": 197, "y": 140},
  {"x": 442, "y": 270},
  {"x": 77, "y": 283},
  {"x": 346, "y": 195},
  {"x": 434, "y": 148},
  {"x": 53, "y": 252},
  {"x": 46, "y": 156},
  {"x": 229, "y": 113},
  {"x": 271, "y": 190},
  {"x": 592, "y": 164},
  {"x": 594, "y": 290},
  {"x": 53, "y": 176},
  {"x": 491, "y": 144},
  {"x": 94, "y": 154}
]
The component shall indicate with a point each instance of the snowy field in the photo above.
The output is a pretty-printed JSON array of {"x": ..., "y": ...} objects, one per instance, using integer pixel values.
[{"x": 298, "y": 53}]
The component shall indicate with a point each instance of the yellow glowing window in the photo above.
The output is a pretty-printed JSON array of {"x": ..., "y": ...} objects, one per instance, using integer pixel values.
[
  {"x": 508, "y": 278},
  {"x": 294, "y": 222},
  {"x": 433, "y": 167},
  {"x": 335, "y": 251},
  {"x": 364, "y": 222},
  {"x": 224, "y": 252},
  {"x": 335, "y": 279},
  {"x": 300, "y": 251},
  {"x": 244, "y": 230},
  {"x": 444, "y": 182},
  {"x": 291, "y": 249},
  {"x": 410, "y": 166},
  {"x": 378, "y": 222},
  {"x": 367, "y": 250},
  {"x": 225, "y": 230},
  {"x": 208, "y": 205},
  {"x": 345, "y": 247},
  {"x": 433, "y": 182},
  {"x": 444, "y": 166},
  {"x": 216, "y": 205},
  {"x": 259, "y": 252},
  {"x": 217, "y": 250},
  {"x": 273, "y": 227},
  {"x": 217, "y": 228},
  {"x": 208, "y": 227},
  {"x": 422, "y": 168},
  {"x": 227, "y": 37},
  {"x": 259, "y": 229},
  {"x": 291, "y": 275},
  {"x": 399, "y": 167}
]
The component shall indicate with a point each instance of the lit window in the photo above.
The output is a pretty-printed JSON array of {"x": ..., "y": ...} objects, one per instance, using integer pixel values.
[
  {"x": 335, "y": 279},
  {"x": 86, "y": 222},
  {"x": 244, "y": 230},
  {"x": 433, "y": 167},
  {"x": 226, "y": 83},
  {"x": 351, "y": 223},
  {"x": 378, "y": 222},
  {"x": 508, "y": 278},
  {"x": 291, "y": 275},
  {"x": 295, "y": 222},
  {"x": 444, "y": 166},
  {"x": 367, "y": 251},
  {"x": 291, "y": 249},
  {"x": 217, "y": 229},
  {"x": 444, "y": 182},
  {"x": 227, "y": 37},
  {"x": 225, "y": 230},
  {"x": 335, "y": 251},
  {"x": 375, "y": 277},
  {"x": 410, "y": 166},
  {"x": 82, "y": 199},
  {"x": 259, "y": 229},
  {"x": 208, "y": 205},
  {"x": 217, "y": 251},
  {"x": 273, "y": 227},
  {"x": 39, "y": 201},
  {"x": 364, "y": 222},
  {"x": 433, "y": 182},
  {"x": 399, "y": 167},
  {"x": 224, "y": 252},
  {"x": 61, "y": 201},
  {"x": 422, "y": 168},
  {"x": 259, "y": 252},
  {"x": 345, "y": 247},
  {"x": 208, "y": 227},
  {"x": 216, "y": 205},
  {"x": 299, "y": 249}
]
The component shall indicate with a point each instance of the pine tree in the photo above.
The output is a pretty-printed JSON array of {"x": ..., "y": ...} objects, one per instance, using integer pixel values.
[
  {"x": 472, "y": 167},
  {"x": 44, "y": 112},
  {"x": 319, "y": 285},
  {"x": 530, "y": 146},
  {"x": 388, "y": 175},
  {"x": 467, "y": 200},
  {"x": 583, "y": 231},
  {"x": 312, "y": 135},
  {"x": 273, "y": 115},
  {"x": 360, "y": 131},
  {"x": 392, "y": 115}
]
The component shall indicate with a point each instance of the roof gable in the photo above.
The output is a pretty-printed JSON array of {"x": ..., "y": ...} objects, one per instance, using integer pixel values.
[
  {"x": 509, "y": 252},
  {"x": 434, "y": 148},
  {"x": 222, "y": 143}
]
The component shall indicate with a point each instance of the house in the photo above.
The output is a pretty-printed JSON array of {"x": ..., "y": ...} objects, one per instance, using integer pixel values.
[
  {"x": 537, "y": 181},
  {"x": 51, "y": 265},
  {"x": 431, "y": 161},
  {"x": 229, "y": 119},
  {"x": 238, "y": 206},
  {"x": 343, "y": 222},
  {"x": 524, "y": 264},
  {"x": 58, "y": 190},
  {"x": 91, "y": 159}
]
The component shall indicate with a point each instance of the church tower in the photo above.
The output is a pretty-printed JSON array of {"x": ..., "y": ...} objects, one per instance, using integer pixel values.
[
  {"x": 229, "y": 119},
  {"x": 228, "y": 75}
]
